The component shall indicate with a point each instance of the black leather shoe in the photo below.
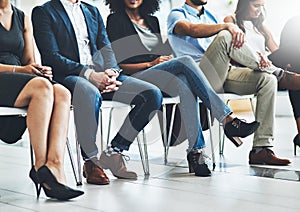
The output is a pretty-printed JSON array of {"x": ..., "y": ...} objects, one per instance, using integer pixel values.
[
  {"x": 196, "y": 161},
  {"x": 238, "y": 128}
]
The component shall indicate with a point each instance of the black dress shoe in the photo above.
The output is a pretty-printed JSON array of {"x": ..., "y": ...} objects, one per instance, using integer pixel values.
[
  {"x": 53, "y": 188},
  {"x": 238, "y": 128}
]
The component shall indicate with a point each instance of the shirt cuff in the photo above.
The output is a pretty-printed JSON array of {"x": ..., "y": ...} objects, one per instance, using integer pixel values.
[{"x": 87, "y": 73}]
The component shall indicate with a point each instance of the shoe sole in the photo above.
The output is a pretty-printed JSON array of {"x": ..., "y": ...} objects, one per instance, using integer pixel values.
[{"x": 269, "y": 164}]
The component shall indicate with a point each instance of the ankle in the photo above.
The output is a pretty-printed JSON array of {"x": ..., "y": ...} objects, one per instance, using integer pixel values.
[{"x": 229, "y": 118}]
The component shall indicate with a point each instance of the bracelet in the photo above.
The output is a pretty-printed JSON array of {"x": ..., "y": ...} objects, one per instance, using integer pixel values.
[{"x": 14, "y": 68}]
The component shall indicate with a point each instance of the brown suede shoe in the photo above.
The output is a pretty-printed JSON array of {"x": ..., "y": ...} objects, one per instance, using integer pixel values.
[
  {"x": 116, "y": 164},
  {"x": 266, "y": 157},
  {"x": 93, "y": 173}
]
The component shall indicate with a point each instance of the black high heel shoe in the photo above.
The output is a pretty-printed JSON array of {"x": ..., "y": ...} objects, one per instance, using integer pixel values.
[
  {"x": 197, "y": 164},
  {"x": 54, "y": 189},
  {"x": 34, "y": 178},
  {"x": 296, "y": 142},
  {"x": 238, "y": 128}
]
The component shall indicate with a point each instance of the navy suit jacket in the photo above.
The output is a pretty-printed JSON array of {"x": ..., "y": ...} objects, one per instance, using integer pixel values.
[{"x": 56, "y": 40}]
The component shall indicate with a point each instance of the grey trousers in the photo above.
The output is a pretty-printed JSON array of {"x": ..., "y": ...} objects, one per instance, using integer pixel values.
[{"x": 223, "y": 77}]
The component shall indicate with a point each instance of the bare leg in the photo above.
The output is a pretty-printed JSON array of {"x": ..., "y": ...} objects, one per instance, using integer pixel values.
[
  {"x": 58, "y": 132},
  {"x": 38, "y": 96}
]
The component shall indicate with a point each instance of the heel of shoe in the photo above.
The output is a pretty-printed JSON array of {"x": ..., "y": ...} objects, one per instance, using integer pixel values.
[
  {"x": 34, "y": 178},
  {"x": 296, "y": 143},
  {"x": 236, "y": 141}
]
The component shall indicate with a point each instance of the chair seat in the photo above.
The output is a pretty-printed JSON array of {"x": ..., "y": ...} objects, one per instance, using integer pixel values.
[
  {"x": 233, "y": 96},
  {"x": 112, "y": 104},
  {"x": 171, "y": 100},
  {"x": 11, "y": 111}
]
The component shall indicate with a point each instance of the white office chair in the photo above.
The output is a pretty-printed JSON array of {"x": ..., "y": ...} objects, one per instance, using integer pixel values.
[{"x": 22, "y": 112}]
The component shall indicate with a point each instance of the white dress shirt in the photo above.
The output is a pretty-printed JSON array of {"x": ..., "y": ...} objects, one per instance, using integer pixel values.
[{"x": 78, "y": 21}]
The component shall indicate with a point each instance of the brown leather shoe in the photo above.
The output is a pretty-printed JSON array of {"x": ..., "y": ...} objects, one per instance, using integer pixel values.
[
  {"x": 290, "y": 81},
  {"x": 116, "y": 164},
  {"x": 266, "y": 157},
  {"x": 93, "y": 173}
]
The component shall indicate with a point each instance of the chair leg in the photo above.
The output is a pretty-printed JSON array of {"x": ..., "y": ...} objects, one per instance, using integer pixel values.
[
  {"x": 211, "y": 140},
  {"x": 167, "y": 138},
  {"x": 109, "y": 125},
  {"x": 252, "y": 106},
  {"x": 78, "y": 181},
  {"x": 144, "y": 152}
]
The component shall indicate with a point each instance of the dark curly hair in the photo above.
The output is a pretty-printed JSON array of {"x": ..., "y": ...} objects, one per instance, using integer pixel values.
[{"x": 147, "y": 7}]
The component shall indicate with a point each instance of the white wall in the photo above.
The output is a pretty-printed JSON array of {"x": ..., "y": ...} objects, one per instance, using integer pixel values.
[{"x": 278, "y": 11}]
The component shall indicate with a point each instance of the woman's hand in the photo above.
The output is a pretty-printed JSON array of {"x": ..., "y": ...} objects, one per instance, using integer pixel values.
[
  {"x": 36, "y": 69},
  {"x": 161, "y": 59}
]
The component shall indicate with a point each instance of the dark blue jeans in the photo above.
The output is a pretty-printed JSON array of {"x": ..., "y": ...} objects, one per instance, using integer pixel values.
[
  {"x": 182, "y": 76},
  {"x": 86, "y": 99}
]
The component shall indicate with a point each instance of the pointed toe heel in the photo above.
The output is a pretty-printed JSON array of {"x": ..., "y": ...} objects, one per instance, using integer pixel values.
[{"x": 53, "y": 188}]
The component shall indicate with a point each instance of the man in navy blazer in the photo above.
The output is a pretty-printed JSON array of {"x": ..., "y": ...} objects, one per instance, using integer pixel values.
[{"x": 72, "y": 39}]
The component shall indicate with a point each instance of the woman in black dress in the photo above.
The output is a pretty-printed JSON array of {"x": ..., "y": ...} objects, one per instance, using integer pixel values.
[{"x": 23, "y": 83}]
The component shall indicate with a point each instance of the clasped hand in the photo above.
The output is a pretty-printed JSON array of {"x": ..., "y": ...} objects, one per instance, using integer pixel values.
[
  {"x": 39, "y": 70},
  {"x": 106, "y": 81}
]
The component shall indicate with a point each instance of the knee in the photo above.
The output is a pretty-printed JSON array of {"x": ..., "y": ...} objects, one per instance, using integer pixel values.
[
  {"x": 42, "y": 87},
  {"x": 224, "y": 36},
  {"x": 61, "y": 94},
  {"x": 269, "y": 82},
  {"x": 185, "y": 60},
  {"x": 154, "y": 97}
]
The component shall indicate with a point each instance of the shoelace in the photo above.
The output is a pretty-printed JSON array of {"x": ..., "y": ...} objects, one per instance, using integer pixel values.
[{"x": 126, "y": 157}]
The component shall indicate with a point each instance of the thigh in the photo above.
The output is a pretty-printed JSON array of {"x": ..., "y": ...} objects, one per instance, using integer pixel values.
[
  {"x": 243, "y": 81},
  {"x": 11, "y": 84},
  {"x": 79, "y": 84},
  {"x": 130, "y": 89}
]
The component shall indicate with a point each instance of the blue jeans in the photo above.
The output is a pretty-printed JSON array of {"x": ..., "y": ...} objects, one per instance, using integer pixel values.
[
  {"x": 86, "y": 99},
  {"x": 182, "y": 76}
]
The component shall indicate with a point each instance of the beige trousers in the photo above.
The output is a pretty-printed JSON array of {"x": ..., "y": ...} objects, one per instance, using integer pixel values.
[{"x": 215, "y": 64}]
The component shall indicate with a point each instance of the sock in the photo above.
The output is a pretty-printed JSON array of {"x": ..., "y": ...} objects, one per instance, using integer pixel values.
[
  {"x": 112, "y": 151},
  {"x": 257, "y": 149}
]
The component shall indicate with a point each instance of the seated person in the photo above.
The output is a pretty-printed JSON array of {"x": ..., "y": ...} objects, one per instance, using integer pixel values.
[
  {"x": 137, "y": 42},
  {"x": 194, "y": 31},
  {"x": 23, "y": 83},
  {"x": 249, "y": 16},
  {"x": 72, "y": 39}
]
